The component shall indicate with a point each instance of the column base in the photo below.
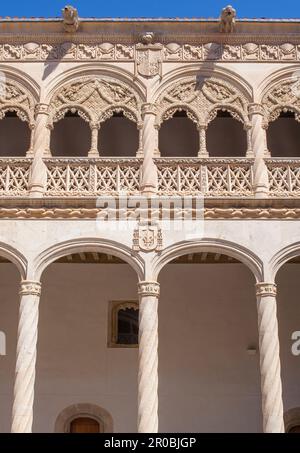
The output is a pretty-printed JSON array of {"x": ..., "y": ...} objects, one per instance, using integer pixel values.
[
  {"x": 261, "y": 192},
  {"x": 202, "y": 155},
  {"x": 93, "y": 153},
  {"x": 36, "y": 191},
  {"x": 149, "y": 190}
]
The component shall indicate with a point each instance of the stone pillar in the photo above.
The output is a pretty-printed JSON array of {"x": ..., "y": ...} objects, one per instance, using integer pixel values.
[
  {"x": 248, "y": 129},
  {"x": 150, "y": 149},
  {"x": 93, "y": 152},
  {"x": 202, "y": 140},
  {"x": 271, "y": 387},
  {"x": 148, "y": 357},
  {"x": 29, "y": 153},
  {"x": 140, "y": 152},
  {"x": 22, "y": 414},
  {"x": 41, "y": 148},
  {"x": 258, "y": 141}
]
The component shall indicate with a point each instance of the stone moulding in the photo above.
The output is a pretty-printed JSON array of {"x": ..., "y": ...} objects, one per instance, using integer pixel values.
[
  {"x": 190, "y": 50},
  {"x": 93, "y": 213}
]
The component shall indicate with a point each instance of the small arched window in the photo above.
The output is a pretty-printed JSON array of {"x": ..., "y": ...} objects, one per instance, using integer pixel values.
[
  {"x": 178, "y": 136},
  {"x": 71, "y": 136},
  {"x": 14, "y": 136},
  {"x": 123, "y": 324},
  {"x": 85, "y": 425},
  {"x": 84, "y": 418},
  {"x": 283, "y": 136},
  {"x": 118, "y": 137},
  {"x": 226, "y": 136}
]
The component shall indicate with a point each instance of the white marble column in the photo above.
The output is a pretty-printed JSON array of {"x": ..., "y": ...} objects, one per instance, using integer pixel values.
[
  {"x": 22, "y": 415},
  {"x": 148, "y": 357},
  {"x": 271, "y": 387},
  {"x": 259, "y": 150},
  {"x": 93, "y": 152},
  {"x": 41, "y": 148},
  {"x": 150, "y": 150},
  {"x": 202, "y": 128}
]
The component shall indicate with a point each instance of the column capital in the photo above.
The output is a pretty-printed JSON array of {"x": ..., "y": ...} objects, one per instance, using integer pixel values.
[
  {"x": 266, "y": 289},
  {"x": 148, "y": 289},
  {"x": 29, "y": 287},
  {"x": 149, "y": 108},
  {"x": 94, "y": 125},
  {"x": 256, "y": 109},
  {"x": 202, "y": 126},
  {"x": 41, "y": 108},
  {"x": 247, "y": 126}
]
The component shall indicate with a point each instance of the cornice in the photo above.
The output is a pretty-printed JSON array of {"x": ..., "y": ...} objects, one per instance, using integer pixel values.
[{"x": 160, "y": 36}]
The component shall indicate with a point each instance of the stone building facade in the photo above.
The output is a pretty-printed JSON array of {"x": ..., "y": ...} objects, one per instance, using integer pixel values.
[{"x": 98, "y": 116}]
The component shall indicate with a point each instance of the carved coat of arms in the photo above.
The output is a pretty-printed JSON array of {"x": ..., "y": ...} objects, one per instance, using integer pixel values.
[
  {"x": 148, "y": 60},
  {"x": 147, "y": 238}
]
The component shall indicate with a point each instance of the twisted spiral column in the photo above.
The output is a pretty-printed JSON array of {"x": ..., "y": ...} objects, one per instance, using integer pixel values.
[
  {"x": 202, "y": 140},
  {"x": 148, "y": 358},
  {"x": 41, "y": 146},
  {"x": 93, "y": 152},
  {"x": 149, "y": 134},
  {"x": 271, "y": 387},
  {"x": 29, "y": 153},
  {"x": 140, "y": 151},
  {"x": 258, "y": 144},
  {"x": 248, "y": 129},
  {"x": 22, "y": 414}
]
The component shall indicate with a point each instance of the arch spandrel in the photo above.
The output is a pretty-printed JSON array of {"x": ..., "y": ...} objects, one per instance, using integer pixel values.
[
  {"x": 282, "y": 96},
  {"x": 16, "y": 98},
  {"x": 201, "y": 96},
  {"x": 95, "y": 98}
]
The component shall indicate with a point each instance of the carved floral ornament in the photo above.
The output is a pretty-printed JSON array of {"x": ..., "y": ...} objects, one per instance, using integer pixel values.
[
  {"x": 15, "y": 98},
  {"x": 201, "y": 98},
  {"x": 95, "y": 100},
  {"x": 283, "y": 97},
  {"x": 172, "y": 51}
]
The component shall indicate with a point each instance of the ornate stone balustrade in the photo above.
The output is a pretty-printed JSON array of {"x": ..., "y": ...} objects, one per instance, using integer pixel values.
[
  {"x": 90, "y": 177},
  {"x": 211, "y": 177},
  {"x": 14, "y": 176},
  {"x": 284, "y": 177}
]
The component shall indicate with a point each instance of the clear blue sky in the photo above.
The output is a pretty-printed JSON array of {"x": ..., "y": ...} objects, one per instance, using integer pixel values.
[{"x": 151, "y": 8}]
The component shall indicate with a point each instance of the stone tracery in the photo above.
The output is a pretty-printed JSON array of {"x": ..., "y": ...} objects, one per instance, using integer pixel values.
[
  {"x": 282, "y": 97},
  {"x": 202, "y": 98},
  {"x": 15, "y": 98},
  {"x": 95, "y": 99}
]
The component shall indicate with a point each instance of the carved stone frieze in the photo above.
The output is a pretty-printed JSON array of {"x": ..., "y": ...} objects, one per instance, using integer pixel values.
[
  {"x": 108, "y": 51},
  {"x": 93, "y": 213}
]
